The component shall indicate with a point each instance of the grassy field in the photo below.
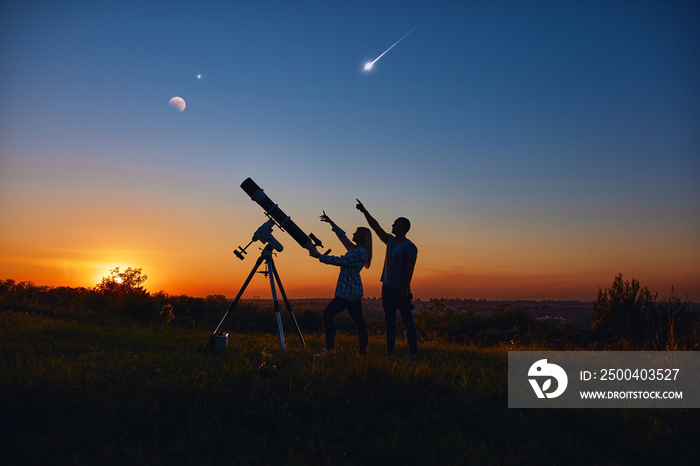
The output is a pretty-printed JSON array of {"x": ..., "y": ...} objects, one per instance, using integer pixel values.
[{"x": 85, "y": 394}]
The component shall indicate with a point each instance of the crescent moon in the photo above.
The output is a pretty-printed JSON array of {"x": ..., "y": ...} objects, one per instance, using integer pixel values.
[{"x": 178, "y": 103}]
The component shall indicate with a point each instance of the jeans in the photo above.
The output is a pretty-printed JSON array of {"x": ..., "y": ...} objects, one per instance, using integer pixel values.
[
  {"x": 391, "y": 301},
  {"x": 335, "y": 307}
]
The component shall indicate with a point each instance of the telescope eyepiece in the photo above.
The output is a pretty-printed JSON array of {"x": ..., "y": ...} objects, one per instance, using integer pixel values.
[{"x": 317, "y": 242}]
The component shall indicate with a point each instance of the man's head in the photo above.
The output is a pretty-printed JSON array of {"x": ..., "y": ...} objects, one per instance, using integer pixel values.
[{"x": 400, "y": 227}]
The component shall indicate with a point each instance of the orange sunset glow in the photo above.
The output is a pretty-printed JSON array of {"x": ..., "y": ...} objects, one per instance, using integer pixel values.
[{"x": 185, "y": 246}]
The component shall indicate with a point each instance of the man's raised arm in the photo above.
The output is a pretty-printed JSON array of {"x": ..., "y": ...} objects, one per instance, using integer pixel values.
[{"x": 372, "y": 222}]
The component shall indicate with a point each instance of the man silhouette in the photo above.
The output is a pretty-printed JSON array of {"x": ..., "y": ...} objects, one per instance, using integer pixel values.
[{"x": 399, "y": 263}]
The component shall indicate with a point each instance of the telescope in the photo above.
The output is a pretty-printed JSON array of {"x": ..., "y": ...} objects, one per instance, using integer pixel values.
[
  {"x": 283, "y": 221},
  {"x": 264, "y": 235}
]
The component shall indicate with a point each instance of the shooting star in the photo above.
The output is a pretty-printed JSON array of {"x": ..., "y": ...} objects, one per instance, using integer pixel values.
[{"x": 370, "y": 64}]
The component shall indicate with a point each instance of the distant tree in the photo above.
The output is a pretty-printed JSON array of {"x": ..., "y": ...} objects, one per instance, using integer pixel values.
[
  {"x": 623, "y": 311},
  {"x": 123, "y": 293},
  {"x": 126, "y": 282}
]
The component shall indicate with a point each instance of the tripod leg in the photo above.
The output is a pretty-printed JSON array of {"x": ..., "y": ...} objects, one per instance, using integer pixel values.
[
  {"x": 233, "y": 304},
  {"x": 287, "y": 304},
  {"x": 270, "y": 270}
]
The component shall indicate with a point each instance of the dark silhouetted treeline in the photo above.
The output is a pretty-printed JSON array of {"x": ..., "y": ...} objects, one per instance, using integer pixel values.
[
  {"x": 505, "y": 325},
  {"x": 116, "y": 306},
  {"x": 125, "y": 302},
  {"x": 626, "y": 316}
]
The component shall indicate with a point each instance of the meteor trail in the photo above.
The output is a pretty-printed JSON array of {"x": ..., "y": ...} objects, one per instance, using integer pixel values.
[{"x": 370, "y": 64}]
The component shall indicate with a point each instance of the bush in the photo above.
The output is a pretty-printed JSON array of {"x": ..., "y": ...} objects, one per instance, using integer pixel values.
[
  {"x": 632, "y": 318},
  {"x": 503, "y": 325},
  {"x": 436, "y": 320},
  {"x": 673, "y": 325}
]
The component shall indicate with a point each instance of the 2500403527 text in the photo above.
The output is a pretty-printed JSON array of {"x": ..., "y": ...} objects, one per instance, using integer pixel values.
[{"x": 631, "y": 374}]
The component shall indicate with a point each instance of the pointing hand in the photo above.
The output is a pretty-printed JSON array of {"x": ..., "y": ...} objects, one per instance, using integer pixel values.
[{"x": 326, "y": 218}]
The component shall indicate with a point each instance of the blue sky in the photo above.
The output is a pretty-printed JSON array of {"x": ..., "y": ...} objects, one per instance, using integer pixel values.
[{"x": 523, "y": 139}]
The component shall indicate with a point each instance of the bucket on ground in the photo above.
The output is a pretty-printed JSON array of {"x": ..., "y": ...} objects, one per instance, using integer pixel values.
[{"x": 220, "y": 342}]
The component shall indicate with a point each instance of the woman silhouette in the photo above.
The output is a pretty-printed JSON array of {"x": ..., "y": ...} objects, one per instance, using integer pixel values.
[{"x": 348, "y": 291}]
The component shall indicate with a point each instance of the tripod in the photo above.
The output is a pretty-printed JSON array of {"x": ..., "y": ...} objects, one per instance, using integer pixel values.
[{"x": 271, "y": 272}]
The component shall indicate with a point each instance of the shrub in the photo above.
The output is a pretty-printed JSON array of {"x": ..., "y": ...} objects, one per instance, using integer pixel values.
[
  {"x": 632, "y": 317},
  {"x": 672, "y": 325},
  {"x": 503, "y": 325}
]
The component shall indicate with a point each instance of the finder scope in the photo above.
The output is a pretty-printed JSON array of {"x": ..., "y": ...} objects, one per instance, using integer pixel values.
[{"x": 274, "y": 212}]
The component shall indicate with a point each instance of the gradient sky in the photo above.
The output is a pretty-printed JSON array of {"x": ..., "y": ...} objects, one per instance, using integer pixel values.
[{"x": 539, "y": 148}]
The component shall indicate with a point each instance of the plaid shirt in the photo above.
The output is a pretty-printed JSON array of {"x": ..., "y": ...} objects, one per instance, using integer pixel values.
[{"x": 349, "y": 282}]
